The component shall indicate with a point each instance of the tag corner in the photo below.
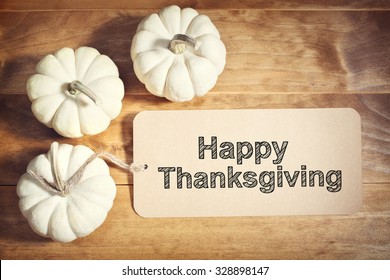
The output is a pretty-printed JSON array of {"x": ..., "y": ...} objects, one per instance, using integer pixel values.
[{"x": 139, "y": 211}]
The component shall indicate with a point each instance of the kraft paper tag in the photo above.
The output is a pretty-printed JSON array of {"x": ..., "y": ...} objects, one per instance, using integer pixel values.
[{"x": 248, "y": 162}]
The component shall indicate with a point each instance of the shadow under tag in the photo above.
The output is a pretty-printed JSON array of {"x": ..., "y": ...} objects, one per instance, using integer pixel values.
[{"x": 205, "y": 163}]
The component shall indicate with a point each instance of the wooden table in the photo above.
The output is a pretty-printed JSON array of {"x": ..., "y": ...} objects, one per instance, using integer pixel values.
[{"x": 280, "y": 54}]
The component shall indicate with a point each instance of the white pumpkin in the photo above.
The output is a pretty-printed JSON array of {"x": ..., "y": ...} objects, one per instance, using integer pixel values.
[
  {"x": 57, "y": 208},
  {"x": 178, "y": 53},
  {"x": 76, "y": 92}
]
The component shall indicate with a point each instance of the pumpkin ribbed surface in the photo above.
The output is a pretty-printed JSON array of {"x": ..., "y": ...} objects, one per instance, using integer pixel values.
[
  {"x": 76, "y": 115},
  {"x": 65, "y": 218},
  {"x": 190, "y": 72}
]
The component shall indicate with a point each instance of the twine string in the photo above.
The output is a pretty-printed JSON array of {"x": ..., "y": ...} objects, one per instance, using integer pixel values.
[{"x": 63, "y": 188}]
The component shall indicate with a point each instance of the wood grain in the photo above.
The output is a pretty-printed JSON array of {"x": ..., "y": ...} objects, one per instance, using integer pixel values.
[
  {"x": 280, "y": 54},
  {"x": 267, "y": 51},
  {"x": 125, "y": 235},
  {"x": 198, "y": 4},
  {"x": 30, "y": 138}
]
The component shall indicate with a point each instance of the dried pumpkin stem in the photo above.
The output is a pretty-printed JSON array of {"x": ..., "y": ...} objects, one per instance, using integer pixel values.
[
  {"x": 59, "y": 183},
  {"x": 77, "y": 87},
  {"x": 179, "y": 43},
  {"x": 59, "y": 186}
]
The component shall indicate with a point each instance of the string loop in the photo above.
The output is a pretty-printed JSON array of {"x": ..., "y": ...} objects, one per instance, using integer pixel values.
[{"x": 63, "y": 188}]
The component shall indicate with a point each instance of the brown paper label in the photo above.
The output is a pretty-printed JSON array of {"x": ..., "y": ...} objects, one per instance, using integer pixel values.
[{"x": 248, "y": 162}]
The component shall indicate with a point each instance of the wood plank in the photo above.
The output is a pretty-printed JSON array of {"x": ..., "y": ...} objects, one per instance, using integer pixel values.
[
  {"x": 125, "y": 235},
  {"x": 281, "y": 54},
  {"x": 267, "y": 51},
  {"x": 23, "y": 137},
  {"x": 199, "y": 4}
]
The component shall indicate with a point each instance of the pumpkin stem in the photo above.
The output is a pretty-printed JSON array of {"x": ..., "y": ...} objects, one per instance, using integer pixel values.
[
  {"x": 77, "y": 87},
  {"x": 179, "y": 43},
  {"x": 59, "y": 183}
]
